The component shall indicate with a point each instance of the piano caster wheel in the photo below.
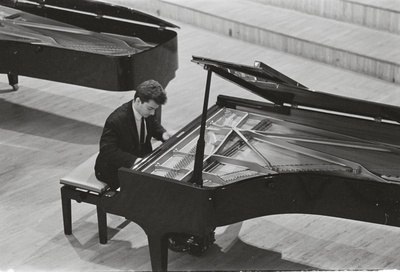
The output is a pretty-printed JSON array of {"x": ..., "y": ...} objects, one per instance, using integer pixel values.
[{"x": 15, "y": 87}]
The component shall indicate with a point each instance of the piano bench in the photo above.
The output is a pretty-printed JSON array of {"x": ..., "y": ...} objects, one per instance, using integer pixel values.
[{"x": 82, "y": 185}]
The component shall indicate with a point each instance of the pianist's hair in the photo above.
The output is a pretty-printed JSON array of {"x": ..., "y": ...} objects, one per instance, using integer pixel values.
[{"x": 151, "y": 90}]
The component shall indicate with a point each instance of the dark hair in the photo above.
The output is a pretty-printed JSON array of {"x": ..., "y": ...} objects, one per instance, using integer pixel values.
[{"x": 151, "y": 90}]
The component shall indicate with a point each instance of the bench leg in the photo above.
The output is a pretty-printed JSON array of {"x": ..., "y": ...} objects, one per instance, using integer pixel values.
[
  {"x": 66, "y": 210},
  {"x": 102, "y": 222},
  {"x": 66, "y": 196}
]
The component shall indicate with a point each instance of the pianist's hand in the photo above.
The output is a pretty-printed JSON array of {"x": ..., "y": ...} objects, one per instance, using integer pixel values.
[{"x": 166, "y": 136}]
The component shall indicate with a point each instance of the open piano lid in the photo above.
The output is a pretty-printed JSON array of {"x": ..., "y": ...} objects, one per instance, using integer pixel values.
[
  {"x": 276, "y": 87},
  {"x": 97, "y": 8}
]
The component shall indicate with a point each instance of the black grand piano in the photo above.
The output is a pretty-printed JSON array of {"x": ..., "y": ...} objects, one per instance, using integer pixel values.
[
  {"x": 84, "y": 42},
  {"x": 294, "y": 151}
]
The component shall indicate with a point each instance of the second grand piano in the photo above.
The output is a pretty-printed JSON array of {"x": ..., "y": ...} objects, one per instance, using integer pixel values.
[{"x": 86, "y": 43}]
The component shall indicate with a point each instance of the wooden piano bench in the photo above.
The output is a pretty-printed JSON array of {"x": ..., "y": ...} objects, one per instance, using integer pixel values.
[{"x": 81, "y": 185}]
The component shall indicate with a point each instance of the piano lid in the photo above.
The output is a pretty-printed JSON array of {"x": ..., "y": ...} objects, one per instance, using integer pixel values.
[
  {"x": 276, "y": 87},
  {"x": 96, "y": 8}
]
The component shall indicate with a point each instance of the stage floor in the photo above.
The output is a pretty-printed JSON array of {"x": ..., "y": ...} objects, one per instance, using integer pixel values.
[{"x": 48, "y": 128}]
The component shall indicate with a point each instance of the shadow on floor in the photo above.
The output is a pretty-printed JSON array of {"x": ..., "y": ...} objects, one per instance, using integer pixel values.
[{"x": 27, "y": 120}]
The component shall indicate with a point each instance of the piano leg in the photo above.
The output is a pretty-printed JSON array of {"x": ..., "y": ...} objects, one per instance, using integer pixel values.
[
  {"x": 158, "y": 246},
  {"x": 13, "y": 81}
]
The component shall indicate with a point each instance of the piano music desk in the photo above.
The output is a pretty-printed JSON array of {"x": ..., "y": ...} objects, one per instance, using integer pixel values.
[{"x": 81, "y": 185}]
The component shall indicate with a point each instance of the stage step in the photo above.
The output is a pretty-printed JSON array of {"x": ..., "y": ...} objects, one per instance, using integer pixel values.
[
  {"x": 379, "y": 15},
  {"x": 349, "y": 46}
]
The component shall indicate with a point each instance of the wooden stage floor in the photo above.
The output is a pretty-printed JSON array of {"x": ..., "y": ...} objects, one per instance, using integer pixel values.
[{"x": 48, "y": 128}]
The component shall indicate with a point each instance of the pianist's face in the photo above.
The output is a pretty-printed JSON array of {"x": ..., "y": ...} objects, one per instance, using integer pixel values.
[{"x": 145, "y": 109}]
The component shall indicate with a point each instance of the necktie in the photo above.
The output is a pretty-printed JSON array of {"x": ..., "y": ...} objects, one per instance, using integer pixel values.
[{"x": 142, "y": 129}]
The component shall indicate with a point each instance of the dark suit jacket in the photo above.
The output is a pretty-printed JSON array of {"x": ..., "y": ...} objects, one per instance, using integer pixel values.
[{"x": 119, "y": 143}]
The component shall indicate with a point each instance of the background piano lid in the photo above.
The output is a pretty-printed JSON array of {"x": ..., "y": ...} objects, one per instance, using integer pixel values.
[
  {"x": 97, "y": 8},
  {"x": 280, "y": 89}
]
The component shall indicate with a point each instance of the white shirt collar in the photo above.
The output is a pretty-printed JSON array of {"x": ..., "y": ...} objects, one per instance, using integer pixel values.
[{"x": 137, "y": 115}]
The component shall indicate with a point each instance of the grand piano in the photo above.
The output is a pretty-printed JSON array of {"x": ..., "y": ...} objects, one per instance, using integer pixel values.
[
  {"x": 295, "y": 151},
  {"x": 86, "y": 43}
]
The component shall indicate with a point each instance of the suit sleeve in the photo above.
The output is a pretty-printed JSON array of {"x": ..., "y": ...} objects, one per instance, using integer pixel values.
[
  {"x": 110, "y": 146},
  {"x": 158, "y": 130}
]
